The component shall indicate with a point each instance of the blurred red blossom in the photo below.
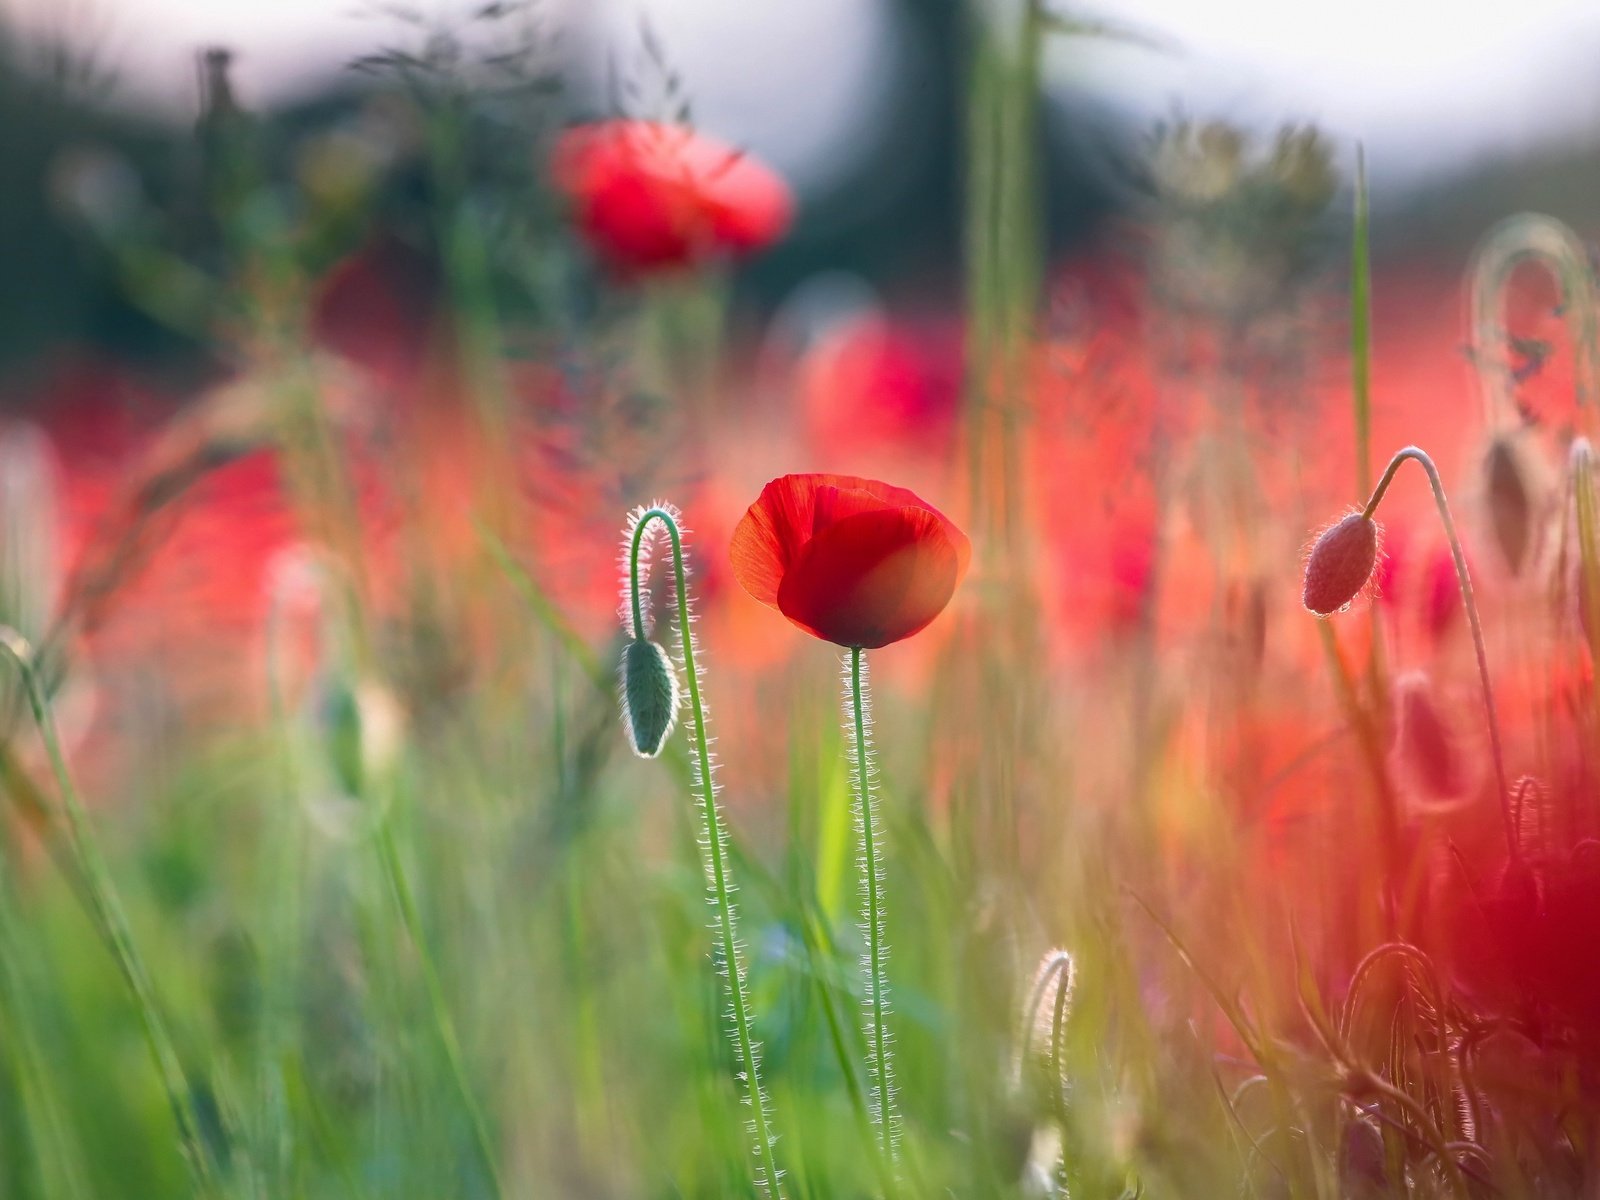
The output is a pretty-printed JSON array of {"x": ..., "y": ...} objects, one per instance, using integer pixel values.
[{"x": 650, "y": 196}]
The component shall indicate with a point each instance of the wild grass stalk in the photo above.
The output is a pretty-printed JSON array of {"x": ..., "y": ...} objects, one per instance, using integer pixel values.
[{"x": 107, "y": 911}]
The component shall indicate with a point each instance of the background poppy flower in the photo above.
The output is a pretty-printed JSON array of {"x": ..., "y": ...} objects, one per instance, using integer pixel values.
[
  {"x": 653, "y": 196},
  {"x": 850, "y": 560}
]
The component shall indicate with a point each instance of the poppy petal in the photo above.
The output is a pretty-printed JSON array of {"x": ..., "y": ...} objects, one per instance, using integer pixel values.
[
  {"x": 792, "y": 509},
  {"x": 872, "y": 578}
]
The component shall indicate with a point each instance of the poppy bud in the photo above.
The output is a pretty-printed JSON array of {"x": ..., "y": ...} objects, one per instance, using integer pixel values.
[
  {"x": 649, "y": 696},
  {"x": 1423, "y": 742},
  {"x": 1510, "y": 507},
  {"x": 359, "y": 723},
  {"x": 1363, "y": 1166},
  {"x": 1340, "y": 564}
]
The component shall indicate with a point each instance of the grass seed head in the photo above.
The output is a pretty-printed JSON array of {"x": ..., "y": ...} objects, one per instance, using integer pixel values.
[
  {"x": 1340, "y": 564},
  {"x": 649, "y": 695}
]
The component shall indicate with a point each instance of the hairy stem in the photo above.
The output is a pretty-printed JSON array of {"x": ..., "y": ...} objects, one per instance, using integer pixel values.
[
  {"x": 108, "y": 914},
  {"x": 880, "y": 1062},
  {"x": 1421, "y": 458},
  {"x": 713, "y": 842}
]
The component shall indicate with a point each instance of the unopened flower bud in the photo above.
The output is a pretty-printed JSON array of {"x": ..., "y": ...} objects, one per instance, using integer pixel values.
[
  {"x": 649, "y": 696},
  {"x": 1340, "y": 564},
  {"x": 1424, "y": 744},
  {"x": 1510, "y": 506}
]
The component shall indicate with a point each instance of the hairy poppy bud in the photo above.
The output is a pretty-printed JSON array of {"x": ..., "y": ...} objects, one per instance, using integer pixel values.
[
  {"x": 649, "y": 696},
  {"x": 1510, "y": 507},
  {"x": 1340, "y": 564}
]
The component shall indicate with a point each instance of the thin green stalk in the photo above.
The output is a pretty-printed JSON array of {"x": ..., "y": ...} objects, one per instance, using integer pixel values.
[
  {"x": 1058, "y": 970},
  {"x": 109, "y": 916},
  {"x": 880, "y": 1060},
  {"x": 61, "y": 1159},
  {"x": 444, "y": 1026},
  {"x": 1361, "y": 328},
  {"x": 713, "y": 843},
  {"x": 1361, "y": 386},
  {"x": 1465, "y": 580}
]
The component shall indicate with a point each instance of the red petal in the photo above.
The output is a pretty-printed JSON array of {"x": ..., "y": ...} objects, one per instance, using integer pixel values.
[
  {"x": 872, "y": 578},
  {"x": 793, "y": 509},
  {"x": 649, "y": 194}
]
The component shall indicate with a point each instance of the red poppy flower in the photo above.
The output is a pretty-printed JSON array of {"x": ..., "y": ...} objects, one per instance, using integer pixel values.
[
  {"x": 850, "y": 560},
  {"x": 652, "y": 196}
]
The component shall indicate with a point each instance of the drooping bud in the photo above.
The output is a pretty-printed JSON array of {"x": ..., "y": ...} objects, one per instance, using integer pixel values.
[
  {"x": 1424, "y": 745},
  {"x": 1340, "y": 564},
  {"x": 1510, "y": 506},
  {"x": 649, "y": 695}
]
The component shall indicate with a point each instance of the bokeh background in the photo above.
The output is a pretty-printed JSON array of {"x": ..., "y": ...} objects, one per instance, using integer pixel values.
[{"x": 319, "y": 423}]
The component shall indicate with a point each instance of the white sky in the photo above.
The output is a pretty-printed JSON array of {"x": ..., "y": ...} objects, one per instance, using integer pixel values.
[{"x": 1421, "y": 82}]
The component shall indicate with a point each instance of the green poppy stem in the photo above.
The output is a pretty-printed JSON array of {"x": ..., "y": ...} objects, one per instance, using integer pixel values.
[
  {"x": 880, "y": 1060},
  {"x": 714, "y": 847},
  {"x": 108, "y": 914}
]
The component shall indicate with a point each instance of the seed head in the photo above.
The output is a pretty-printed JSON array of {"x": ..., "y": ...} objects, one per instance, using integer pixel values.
[
  {"x": 649, "y": 696},
  {"x": 1340, "y": 564}
]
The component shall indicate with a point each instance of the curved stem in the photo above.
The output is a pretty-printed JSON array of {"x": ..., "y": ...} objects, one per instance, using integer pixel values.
[
  {"x": 114, "y": 928},
  {"x": 1421, "y": 458},
  {"x": 880, "y": 1064},
  {"x": 1505, "y": 247},
  {"x": 1059, "y": 969},
  {"x": 714, "y": 844}
]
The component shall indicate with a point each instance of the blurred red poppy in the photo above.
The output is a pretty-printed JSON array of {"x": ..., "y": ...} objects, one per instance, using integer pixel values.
[
  {"x": 378, "y": 307},
  {"x": 650, "y": 196},
  {"x": 852, "y": 561}
]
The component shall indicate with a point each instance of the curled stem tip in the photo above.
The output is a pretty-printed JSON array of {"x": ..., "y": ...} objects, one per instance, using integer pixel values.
[{"x": 713, "y": 833}]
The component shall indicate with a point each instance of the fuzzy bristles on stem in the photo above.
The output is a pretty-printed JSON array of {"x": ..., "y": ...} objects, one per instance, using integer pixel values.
[
  {"x": 728, "y": 951},
  {"x": 1340, "y": 564},
  {"x": 1045, "y": 1017},
  {"x": 869, "y": 833},
  {"x": 640, "y": 534},
  {"x": 1040, "y": 1058}
]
